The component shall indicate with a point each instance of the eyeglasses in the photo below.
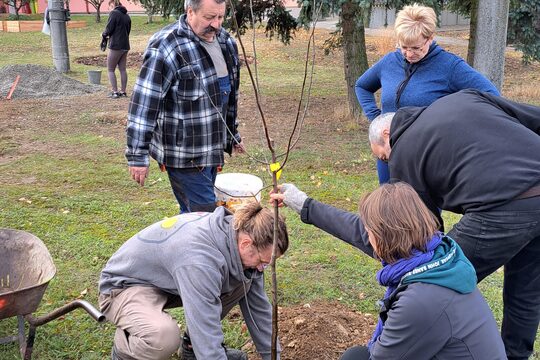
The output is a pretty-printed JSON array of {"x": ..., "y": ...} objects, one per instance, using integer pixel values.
[
  {"x": 414, "y": 49},
  {"x": 264, "y": 263}
]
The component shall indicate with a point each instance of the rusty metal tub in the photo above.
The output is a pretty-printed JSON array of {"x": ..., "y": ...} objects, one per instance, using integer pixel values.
[{"x": 26, "y": 267}]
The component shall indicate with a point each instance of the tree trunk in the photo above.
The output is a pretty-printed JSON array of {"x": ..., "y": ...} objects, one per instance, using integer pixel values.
[
  {"x": 354, "y": 51},
  {"x": 491, "y": 39},
  {"x": 98, "y": 14},
  {"x": 472, "y": 32},
  {"x": 14, "y": 5}
]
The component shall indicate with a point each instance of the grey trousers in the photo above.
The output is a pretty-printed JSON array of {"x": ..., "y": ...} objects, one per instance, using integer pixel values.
[{"x": 144, "y": 331}]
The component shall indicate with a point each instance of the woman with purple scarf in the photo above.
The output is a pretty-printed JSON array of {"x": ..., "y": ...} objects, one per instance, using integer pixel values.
[{"x": 432, "y": 308}]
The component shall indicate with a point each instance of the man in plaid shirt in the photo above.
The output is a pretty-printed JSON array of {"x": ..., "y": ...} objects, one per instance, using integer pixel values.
[{"x": 184, "y": 105}]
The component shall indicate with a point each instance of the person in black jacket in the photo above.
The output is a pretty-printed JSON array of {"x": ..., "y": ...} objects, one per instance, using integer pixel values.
[
  {"x": 476, "y": 154},
  {"x": 432, "y": 307},
  {"x": 117, "y": 34}
]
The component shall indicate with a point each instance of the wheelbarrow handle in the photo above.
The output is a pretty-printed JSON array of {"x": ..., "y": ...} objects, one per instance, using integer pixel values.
[{"x": 90, "y": 309}]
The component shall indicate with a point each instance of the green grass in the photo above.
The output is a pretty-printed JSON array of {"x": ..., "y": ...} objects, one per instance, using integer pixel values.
[{"x": 81, "y": 202}]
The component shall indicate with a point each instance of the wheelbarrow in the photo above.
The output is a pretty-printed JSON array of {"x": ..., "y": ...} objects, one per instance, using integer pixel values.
[{"x": 26, "y": 267}]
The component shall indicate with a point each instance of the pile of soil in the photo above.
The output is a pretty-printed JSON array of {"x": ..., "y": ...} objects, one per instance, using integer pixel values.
[
  {"x": 38, "y": 81},
  {"x": 319, "y": 331},
  {"x": 134, "y": 60}
]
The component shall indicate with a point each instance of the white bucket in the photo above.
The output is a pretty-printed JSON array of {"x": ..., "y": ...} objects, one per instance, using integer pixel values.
[{"x": 234, "y": 189}]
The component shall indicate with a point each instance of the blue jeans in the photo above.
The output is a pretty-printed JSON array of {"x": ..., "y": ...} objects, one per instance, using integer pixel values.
[
  {"x": 508, "y": 236},
  {"x": 225, "y": 90},
  {"x": 194, "y": 188},
  {"x": 383, "y": 172}
]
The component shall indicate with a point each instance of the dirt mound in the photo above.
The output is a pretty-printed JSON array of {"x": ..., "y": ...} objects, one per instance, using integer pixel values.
[
  {"x": 320, "y": 331},
  {"x": 38, "y": 81},
  {"x": 134, "y": 60}
]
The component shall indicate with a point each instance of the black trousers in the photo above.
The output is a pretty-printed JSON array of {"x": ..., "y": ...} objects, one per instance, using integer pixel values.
[{"x": 508, "y": 236}]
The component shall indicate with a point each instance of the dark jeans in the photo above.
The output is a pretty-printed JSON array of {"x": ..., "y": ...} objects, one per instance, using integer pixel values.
[
  {"x": 194, "y": 188},
  {"x": 508, "y": 236},
  {"x": 383, "y": 172},
  {"x": 356, "y": 353}
]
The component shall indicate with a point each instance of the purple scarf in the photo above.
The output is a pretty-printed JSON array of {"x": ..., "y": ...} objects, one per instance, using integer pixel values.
[{"x": 390, "y": 275}]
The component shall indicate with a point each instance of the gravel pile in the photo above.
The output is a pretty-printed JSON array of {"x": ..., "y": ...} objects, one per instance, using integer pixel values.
[{"x": 41, "y": 82}]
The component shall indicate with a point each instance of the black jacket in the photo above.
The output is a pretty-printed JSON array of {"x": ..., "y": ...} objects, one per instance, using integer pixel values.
[
  {"x": 118, "y": 29},
  {"x": 469, "y": 151}
]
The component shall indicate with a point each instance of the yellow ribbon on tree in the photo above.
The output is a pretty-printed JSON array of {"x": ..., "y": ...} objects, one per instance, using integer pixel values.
[{"x": 274, "y": 167}]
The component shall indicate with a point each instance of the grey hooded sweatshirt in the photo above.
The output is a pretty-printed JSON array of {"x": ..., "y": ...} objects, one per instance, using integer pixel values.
[{"x": 195, "y": 256}]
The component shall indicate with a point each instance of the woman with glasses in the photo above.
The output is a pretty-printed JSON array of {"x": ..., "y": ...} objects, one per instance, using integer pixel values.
[
  {"x": 417, "y": 73},
  {"x": 204, "y": 262}
]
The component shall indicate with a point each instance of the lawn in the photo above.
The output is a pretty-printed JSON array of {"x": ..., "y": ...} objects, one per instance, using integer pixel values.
[{"x": 64, "y": 179}]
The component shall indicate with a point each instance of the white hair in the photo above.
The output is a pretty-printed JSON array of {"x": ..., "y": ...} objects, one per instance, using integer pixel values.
[{"x": 376, "y": 127}]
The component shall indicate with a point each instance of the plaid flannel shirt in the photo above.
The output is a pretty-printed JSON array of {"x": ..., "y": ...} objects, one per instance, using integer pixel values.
[{"x": 175, "y": 110}]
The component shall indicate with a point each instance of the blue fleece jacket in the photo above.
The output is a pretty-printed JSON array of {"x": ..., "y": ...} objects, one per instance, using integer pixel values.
[{"x": 438, "y": 74}]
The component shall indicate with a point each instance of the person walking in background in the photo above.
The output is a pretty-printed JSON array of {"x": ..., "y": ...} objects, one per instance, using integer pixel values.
[
  {"x": 117, "y": 35},
  {"x": 204, "y": 262},
  {"x": 183, "y": 112},
  {"x": 417, "y": 73},
  {"x": 46, "y": 29},
  {"x": 432, "y": 308}
]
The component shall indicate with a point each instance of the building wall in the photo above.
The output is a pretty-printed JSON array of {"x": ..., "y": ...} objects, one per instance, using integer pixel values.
[{"x": 80, "y": 6}]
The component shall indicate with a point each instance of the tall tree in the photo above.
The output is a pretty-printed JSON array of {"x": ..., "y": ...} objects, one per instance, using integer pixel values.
[
  {"x": 350, "y": 35},
  {"x": 276, "y": 19},
  {"x": 96, "y": 4},
  {"x": 524, "y": 28},
  {"x": 467, "y": 8},
  {"x": 172, "y": 7},
  {"x": 16, "y": 5},
  {"x": 354, "y": 50},
  {"x": 490, "y": 37},
  {"x": 152, "y": 8}
]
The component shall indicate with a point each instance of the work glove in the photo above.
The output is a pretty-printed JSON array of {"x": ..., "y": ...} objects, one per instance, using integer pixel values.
[
  {"x": 293, "y": 197},
  {"x": 103, "y": 45}
]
